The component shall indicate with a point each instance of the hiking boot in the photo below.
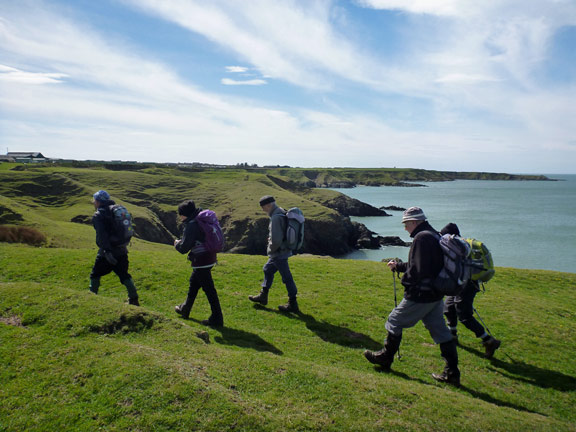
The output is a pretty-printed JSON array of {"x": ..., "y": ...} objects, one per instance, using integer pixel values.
[
  {"x": 379, "y": 358},
  {"x": 261, "y": 298},
  {"x": 448, "y": 376},
  {"x": 291, "y": 306},
  {"x": 212, "y": 322},
  {"x": 181, "y": 310},
  {"x": 134, "y": 301},
  {"x": 491, "y": 345}
]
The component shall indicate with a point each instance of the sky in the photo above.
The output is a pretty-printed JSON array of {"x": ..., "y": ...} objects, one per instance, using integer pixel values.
[{"x": 459, "y": 85}]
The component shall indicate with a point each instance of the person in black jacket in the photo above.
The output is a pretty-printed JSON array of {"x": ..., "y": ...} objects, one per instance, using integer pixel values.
[
  {"x": 112, "y": 251},
  {"x": 461, "y": 308},
  {"x": 202, "y": 262},
  {"x": 421, "y": 302}
]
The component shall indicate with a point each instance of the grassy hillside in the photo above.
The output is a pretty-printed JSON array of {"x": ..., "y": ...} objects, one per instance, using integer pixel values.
[{"x": 70, "y": 360}]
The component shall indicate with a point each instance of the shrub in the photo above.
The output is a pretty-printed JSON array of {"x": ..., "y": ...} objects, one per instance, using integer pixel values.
[{"x": 28, "y": 235}]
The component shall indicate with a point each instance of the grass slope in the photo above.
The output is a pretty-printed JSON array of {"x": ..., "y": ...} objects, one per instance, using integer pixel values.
[{"x": 70, "y": 360}]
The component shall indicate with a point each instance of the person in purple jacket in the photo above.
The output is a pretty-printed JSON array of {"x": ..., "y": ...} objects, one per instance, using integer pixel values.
[{"x": 192, "y": 242}]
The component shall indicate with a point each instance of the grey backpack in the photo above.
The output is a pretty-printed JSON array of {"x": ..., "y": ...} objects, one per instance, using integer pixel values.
[{"x": 294, "y": 235}]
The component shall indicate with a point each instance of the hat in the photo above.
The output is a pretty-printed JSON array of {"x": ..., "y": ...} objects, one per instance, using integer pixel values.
[
  {"x": 413, "y": 214},
  {"x": 266, "y": 199},
  {"x": 101, "y": 196},
  {"x": 187, "y": 208},
  {"x": 451, "y": 228}
]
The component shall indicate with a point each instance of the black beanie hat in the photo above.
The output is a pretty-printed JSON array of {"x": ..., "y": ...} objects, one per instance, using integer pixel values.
[
  {"x": 187, "y": 208},
  {"x": 451, "y": 228},
  {"x": 266, "y": 199}
]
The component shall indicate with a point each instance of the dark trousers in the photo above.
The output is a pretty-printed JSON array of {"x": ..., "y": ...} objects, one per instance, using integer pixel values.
[
  {"x": 280, "y": 265},
  {"x": 202, "y": 278},
  {"x": 102, "y": 267},
  {"x": 461, "y": 308}
]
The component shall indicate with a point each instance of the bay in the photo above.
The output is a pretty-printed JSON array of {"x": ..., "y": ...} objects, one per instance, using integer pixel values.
[{"x": 525, "y": 224}]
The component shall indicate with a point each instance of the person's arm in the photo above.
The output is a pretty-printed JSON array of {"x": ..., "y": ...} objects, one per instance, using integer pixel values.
[
  {"x": 276, "y": 233},
  {"x": 102, "y": 236},
  {"x": 188, "y": 240}
]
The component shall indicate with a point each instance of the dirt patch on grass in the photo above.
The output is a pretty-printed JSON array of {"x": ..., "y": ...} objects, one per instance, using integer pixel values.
[
  {"x": 12, "y": 320},
  {"x": 127, "y": 322}
]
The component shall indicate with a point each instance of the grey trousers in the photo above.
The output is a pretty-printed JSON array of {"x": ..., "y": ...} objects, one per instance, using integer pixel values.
[{"x": 408, "y": 313}]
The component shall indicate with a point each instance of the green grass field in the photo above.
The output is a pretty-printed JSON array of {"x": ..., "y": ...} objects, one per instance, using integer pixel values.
[{"x": 70, "y": 360}]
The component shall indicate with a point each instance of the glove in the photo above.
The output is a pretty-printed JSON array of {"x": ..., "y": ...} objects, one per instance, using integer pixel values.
[{"x": 110, "y": 258}]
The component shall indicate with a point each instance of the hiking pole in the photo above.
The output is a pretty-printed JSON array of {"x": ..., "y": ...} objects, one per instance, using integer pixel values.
[
  {"x": 482, "y": 321},
  {"x": 395, "y": 302}
]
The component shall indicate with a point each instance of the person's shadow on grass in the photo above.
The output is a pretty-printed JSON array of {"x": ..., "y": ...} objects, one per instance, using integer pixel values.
[
  {"x": 527, "y": 373},
  {"x": 243, "y": 339},
  {"x": 329, "y": 332}
]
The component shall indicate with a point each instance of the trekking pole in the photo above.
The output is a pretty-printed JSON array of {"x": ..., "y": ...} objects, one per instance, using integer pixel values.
[
  {"x": 482, "y": 321},
  {"x": 395, "y": 303}
]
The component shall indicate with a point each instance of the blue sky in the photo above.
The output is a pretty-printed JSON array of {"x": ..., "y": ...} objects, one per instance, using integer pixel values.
[{"x": 462, "y": 85}]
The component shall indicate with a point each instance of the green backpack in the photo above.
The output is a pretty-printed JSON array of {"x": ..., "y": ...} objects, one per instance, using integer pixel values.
[{"x": 482, "y": 263}]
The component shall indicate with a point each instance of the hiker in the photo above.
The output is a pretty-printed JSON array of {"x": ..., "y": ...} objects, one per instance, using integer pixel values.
[
  {"x": 278, "y": 254},
  {"x": 192, "y": 241},
  {"x": 420, "y": 302},
  {"x": 461, "y": 308},
  {"x": 113, "y": 252}
]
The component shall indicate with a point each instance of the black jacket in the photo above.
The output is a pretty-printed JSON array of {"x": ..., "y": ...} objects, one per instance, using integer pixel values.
[
  {"x": 192, "y": 241},
  {"x": 425, "y": 260},
  {"x": 106, "y": 238}
]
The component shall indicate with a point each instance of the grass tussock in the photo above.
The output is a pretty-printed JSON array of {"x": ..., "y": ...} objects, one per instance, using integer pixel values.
[{"x": 22, "y": 234}]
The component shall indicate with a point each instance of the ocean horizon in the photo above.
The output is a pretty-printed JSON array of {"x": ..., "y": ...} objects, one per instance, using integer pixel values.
[{"x": 525, "y": 224}]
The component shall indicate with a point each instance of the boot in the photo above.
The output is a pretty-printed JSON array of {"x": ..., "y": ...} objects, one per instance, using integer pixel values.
[
  {"x": 132, "y": 293},
  {"x": 94, "y": 285},
  {"x": 213, "y": 322},
  {"x": 181, "y": 309},
  {"x": 448, "y": 376},
  {"x": 451, "y": 373},
  {"x": 491, "y": 345},
  {"x": 261, "y": 298},
  {"x": 291, "y": 306},
  {"x": 385, "y": 356},
  {"x": 133, "y": 301}
]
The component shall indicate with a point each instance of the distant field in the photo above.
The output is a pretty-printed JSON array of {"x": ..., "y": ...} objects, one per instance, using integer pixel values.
[{"x": 73, "y": 361}]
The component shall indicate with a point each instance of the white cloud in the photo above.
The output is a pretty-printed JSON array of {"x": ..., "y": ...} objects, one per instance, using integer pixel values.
[
  {"x": 236, "y": 69},
  {"x": 253, "y": 82},
  {"x": 11, "y": 74}
]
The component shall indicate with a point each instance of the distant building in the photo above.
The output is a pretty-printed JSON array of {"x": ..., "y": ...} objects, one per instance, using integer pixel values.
[
  {"x": 27, "y": 157},
  {"x": 6, "y": 158}
]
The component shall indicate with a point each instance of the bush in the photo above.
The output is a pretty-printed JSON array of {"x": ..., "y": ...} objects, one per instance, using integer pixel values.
[{"x": 26, "y": 235}]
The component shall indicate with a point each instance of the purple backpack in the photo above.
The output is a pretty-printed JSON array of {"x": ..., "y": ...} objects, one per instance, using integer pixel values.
[{"x": 214, "y": 239}]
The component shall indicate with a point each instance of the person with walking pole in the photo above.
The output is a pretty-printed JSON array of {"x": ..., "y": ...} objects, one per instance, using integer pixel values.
[
  {"x": 421, "y": 302},
  {"x": 461, "y": 308}
]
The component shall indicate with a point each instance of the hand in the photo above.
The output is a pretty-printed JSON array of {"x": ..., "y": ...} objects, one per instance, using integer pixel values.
[
  {"x": 176, "y": 241},
  {"x": 110, "y": 258},
  {"x": 392, "y": 265}
]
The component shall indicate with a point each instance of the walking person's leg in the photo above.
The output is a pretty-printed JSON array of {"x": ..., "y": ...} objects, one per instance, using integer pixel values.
[
  {"x": 193, "y": 288},
  {"x": 216, "y": 318}
]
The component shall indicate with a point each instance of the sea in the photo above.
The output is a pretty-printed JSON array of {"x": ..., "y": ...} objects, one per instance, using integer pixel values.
[{"x": 525, "y": 224}]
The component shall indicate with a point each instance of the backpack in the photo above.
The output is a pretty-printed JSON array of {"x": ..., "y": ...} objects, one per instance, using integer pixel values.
[
  {"x": 294, "y": 235},
  {"x": 214, "y": 239},
  {"x": 122, "y": 227},
  {"x": 482, "y": 263},
  {"x": 457, "y": 268}
]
